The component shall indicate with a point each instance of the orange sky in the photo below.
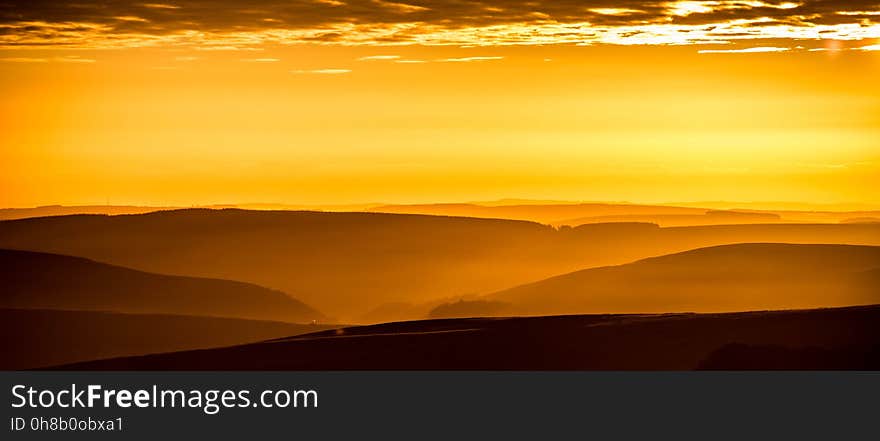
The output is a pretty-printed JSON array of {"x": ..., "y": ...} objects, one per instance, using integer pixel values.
[{"x": 155, "y": 109}]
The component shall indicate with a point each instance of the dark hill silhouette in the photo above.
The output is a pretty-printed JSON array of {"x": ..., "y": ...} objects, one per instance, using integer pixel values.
[
  {"x": 346, "y": 264},
  {"x": 37, "y": 338},
  {"x": 722, "y": 278},
  {"x": 738, "y": 356},
  {"x": 51, "y": 281},
  {"x": 604, "y": 342}
]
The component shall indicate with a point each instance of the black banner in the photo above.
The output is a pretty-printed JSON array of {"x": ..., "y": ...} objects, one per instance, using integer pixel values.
[{"x": 452, "y": 404}]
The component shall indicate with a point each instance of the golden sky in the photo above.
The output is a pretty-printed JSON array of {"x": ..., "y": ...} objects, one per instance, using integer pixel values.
[{"x": 326, "y": 101}]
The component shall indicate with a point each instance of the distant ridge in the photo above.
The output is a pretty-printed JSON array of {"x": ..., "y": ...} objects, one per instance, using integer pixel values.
[
  {"x": 543, "y": 213},
  {"x": 576, "y": 213},
  {"x": 65, "y": 210},
  {"x": 115, "y": 210},
  {"x": 711, "y": 217},
  {"x": 548, "y": 212}
]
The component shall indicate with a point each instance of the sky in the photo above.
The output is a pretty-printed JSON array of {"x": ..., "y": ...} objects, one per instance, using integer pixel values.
[{"x": 331, "y": 101}]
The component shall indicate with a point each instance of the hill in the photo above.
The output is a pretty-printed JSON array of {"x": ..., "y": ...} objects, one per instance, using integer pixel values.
[
  {"x": 35, "y": 338},
  {"x": 347, "y": 264},
  {"x": 722, "y": 278},
  {"x": 844, "y": 338},
  {"x": 51, "y": 281}
]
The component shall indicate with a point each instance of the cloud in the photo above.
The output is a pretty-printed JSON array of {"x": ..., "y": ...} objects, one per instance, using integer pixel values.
[
  {"x": 749, "y": 50},
  {"x": 74, "y": 59},
  {"x": 131, "y": 18},
  {"x": 230, "y": 23},
  {"x": 322, "y": 71},
  {"x": 379, "y": 57},
  {"x": 261, "y": 60},
  {"x": 67, "y": 59},
  {"x": 857, "y": 12},
  {"x": 405, "y": 8},
  {"x": 160, "y": 6},
  {"x": 211, "y": 47},
  {"x": 873, "y": 47},
  {"x": 615, "y": 11},
  {"x": 687, "y": 8},
  {"x": 468, "y": 59},
  {"x": 823, "y": 166},
  {"x": 24, "y": 60}
]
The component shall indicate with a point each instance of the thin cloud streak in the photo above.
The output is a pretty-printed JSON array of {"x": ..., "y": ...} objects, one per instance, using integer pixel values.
[
  {"x": 160, "y": 6},
  {"x": 75, "y": 60},
  {"x": 379, "y": 57},
  {"x": 321, "y": 71},
  {"x": 468, "y": 59},
  {"x": 68, "y": 59},
  {"x": 24, "y": 60},
  {"x": 750, "y": 50}
]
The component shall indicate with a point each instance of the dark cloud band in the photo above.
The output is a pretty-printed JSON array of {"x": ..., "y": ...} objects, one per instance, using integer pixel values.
[{"x": 126, "y": 23}]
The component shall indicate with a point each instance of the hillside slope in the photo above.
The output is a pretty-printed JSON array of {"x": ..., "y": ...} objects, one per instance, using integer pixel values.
[
  {"x": 844, "y": 338},
  {"x": 34, "y": 338},
  {"x": 51, "y": 281},
  {"x": 722, "y": 278},
  {"x": 346, "y": 264}
]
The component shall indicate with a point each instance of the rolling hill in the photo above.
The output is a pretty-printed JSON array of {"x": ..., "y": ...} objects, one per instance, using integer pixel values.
[
  {"x": 842, "y": 338},
  {"x": 347, "y": 264},
  {"x": 49, "y": 281},
  {"x": 722, "y": 278},
  {"x": 34, "y": 338}
]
